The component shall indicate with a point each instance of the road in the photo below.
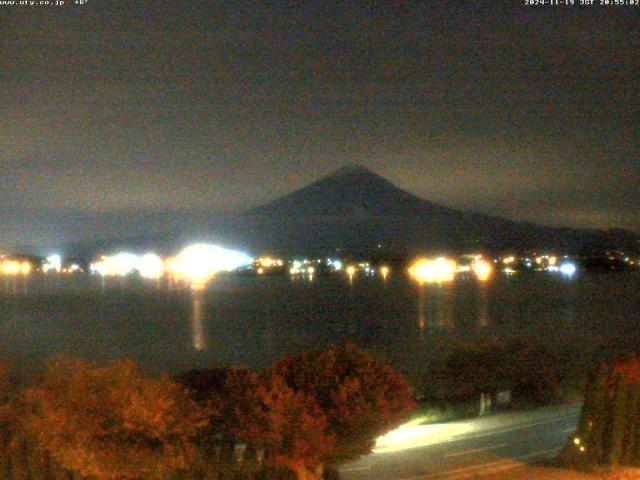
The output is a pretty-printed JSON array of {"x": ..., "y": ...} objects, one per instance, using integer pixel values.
[{"x": 474, "y": 448}]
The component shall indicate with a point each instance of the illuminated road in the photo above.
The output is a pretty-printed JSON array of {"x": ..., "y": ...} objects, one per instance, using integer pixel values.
[{"x": 474, "y": 448}]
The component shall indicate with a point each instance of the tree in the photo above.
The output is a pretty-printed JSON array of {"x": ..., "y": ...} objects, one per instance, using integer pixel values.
[
  {"x": 528, "y": 370},
  {"x": 7, "y": 417},
  {"x": 361, "y": 397},
  {"x": 221, "y": 391},
  {"x": 263, "y": 412},
  {"x": 609, "y": 427},
  {"x": 289, "y": 425},
  {"x": 112, "y": 422}
]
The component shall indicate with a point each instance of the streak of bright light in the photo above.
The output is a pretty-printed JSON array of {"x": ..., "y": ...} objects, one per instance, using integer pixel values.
[
  {"x": 426, "y": 270},
  {"x": 413, "y": 435}
]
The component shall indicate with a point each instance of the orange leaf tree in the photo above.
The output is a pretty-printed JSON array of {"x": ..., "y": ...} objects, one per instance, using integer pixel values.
[
  {"x": 7, "y": 414},
  {"x": 112, "y": 422},
  {"x": 361, "y": 397},
  {"x": 264, "y": 412},
  {"x": 288, "y": 424}
]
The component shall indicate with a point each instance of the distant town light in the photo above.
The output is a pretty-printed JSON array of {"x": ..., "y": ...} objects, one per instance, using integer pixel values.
[
  {"x": 120, "y": 264},
  {"x": 384, "y": 271},
  {"x": 15, "y": 267},
  {"x": 150, "y": 266},
  {"x": 268, "y": 262},
  {"x": 198, "y": 263},
  {"x": 482, "y": 269},
  {"x": 351, "y": 271},
  {"x": 433, "y": 270},
  {"x": 53, "y": 262},
  {"x": 296, "y": 267},
  {"x": 568, "y": 269}
]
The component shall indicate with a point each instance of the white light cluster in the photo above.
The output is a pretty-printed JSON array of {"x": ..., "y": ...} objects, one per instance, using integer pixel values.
[
  {"x": 336, "y": 264},
  {"x": 568, "y": 269},
  {"x": 148, "y": 265},
  {"x": 198, "y": 263},
  {"x": 52, "y": 262}
]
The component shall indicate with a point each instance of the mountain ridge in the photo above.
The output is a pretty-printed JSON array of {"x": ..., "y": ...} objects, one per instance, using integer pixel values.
[
  {"x": 353, "y": 210},
  {"x": 381, "y": 213},
  {"x": 349, "y": 186}
]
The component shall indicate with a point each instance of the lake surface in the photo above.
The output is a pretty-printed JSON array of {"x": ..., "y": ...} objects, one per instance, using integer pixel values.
[{"x": 251, "y": 321}]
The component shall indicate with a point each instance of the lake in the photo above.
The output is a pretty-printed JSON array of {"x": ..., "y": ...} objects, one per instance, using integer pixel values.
[{"x": 250, "y": 321}]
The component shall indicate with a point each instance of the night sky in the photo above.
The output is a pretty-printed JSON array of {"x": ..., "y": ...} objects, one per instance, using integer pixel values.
[{"x": 116, "y": 112}]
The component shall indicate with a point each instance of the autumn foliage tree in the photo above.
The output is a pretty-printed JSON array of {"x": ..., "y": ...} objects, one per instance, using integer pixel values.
[
  {"x": 361, "y": 397},
  {"x": 112, "y": 422},
  {"x": 310, "y": 408},
  {"x": 261, "y": 411},
  {"x": 7, "y": 416},
  {"x": 289, "y": 425}
]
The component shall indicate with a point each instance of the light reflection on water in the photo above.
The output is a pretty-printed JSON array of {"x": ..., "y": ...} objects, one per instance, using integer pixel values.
[
  {"x": 483, "y": 306},
  {"x": 197, "y": 320},
  {"x": 16, "y": 284},
  {"x": 436, "y": 304},
  {"x": 252, "y": 321}
]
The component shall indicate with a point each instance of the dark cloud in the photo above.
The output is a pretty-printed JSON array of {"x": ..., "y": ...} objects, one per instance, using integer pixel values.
[{"x": 525, "y": 112}]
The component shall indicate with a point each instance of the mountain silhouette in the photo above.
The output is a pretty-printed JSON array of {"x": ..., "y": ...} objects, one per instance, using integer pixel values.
[
  {"x": 352, "y": 191},
  {"x": 354, "y": 211}
]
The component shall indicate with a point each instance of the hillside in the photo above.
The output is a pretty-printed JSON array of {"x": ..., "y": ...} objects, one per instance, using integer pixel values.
[{"x": 356, "y": 210}]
